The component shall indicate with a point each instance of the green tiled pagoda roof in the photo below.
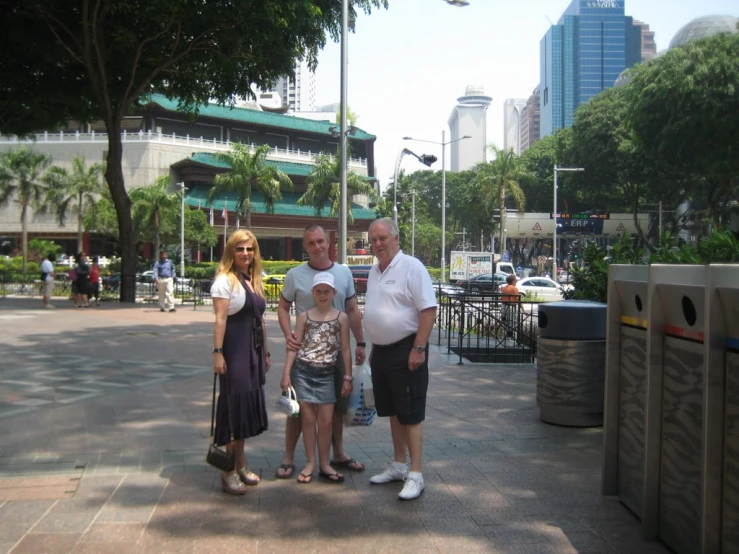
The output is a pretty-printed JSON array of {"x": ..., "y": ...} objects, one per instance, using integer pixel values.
[
  {"x": 256, "y": 117},
  {"x": 290, "y": 168},
  {"x": 196, "y": 197}
]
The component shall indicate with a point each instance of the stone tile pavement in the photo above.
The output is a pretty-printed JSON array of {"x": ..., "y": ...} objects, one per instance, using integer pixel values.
[{"x": 104, "y": 421}]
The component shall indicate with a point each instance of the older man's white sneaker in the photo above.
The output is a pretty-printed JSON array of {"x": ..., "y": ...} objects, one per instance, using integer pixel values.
[
  {"x": 392, "y": 473},
  {"x": 413, "y": 487}
]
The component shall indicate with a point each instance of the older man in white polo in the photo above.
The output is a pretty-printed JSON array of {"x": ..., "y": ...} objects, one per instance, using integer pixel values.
[{"x": 399, "y": 315}]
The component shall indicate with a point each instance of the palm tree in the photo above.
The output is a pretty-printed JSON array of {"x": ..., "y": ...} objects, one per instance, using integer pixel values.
[
  {"x": 77, "y": 191},
  {"x": 20, "y": 178},
  {"x": 499, "y": 179},
  {"x": 324, "y": 187},
  {"x": 150, "y": 205},
  {"x": 249, "y": 170}
]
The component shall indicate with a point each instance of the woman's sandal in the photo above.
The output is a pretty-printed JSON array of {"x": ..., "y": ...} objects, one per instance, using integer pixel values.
[
  {"x": 304, "y": 479},
  {"x": 248, "y": 477},
  {"x": 287, "y": 471},
  {"x": 232, "y": 484},
  {"x": 350, "y": 464}
]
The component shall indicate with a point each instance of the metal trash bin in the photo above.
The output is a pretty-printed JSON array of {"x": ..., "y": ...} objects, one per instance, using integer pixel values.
[{"x": 571, "y": 357}]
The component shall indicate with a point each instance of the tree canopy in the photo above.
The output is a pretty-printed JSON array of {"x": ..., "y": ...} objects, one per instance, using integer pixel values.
[{"x": 95, "y": 60}]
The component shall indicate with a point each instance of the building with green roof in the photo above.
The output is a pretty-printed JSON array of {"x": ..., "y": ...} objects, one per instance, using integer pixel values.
[{"x": 160, "y": 138}]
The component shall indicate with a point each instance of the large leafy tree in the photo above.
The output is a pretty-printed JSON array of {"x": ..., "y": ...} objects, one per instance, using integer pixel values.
[
  {"x": 683, "y": 108},
  {"x": 497, "y": 181},
  {"x": 248, "y": 171},
  {"x": 75, "y": 191},
  {"x": 96, "y": 59},
  {"x": 21, "y": 179},
  {"x": 151, "y": 205},
  {"x": 324, "y": 188}
]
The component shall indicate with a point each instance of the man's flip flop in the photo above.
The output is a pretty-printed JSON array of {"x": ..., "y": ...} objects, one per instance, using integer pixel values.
[
  {"x": 350, "y": 464},
  {"x": 286, "y": 474},
  {"x": 331, "y": 477}
]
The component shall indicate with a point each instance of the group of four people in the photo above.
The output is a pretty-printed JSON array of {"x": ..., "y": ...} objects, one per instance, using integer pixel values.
[{"x": 399, "y": 314}]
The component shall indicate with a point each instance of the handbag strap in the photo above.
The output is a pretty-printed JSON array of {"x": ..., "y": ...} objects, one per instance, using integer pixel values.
[{"x": 228, "y": 407}]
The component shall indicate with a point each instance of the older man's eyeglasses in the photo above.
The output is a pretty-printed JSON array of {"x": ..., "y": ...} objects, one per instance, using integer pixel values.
[{"x": 244, "y": 249}]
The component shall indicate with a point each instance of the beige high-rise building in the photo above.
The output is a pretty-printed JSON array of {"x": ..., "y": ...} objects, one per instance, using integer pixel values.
[
  {"x": 648, "y": 45},
  {"x": 512, "y": 112}
]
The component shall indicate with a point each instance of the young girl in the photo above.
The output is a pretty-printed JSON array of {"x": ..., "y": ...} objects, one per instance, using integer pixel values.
[{"x": 324, "y": 333}]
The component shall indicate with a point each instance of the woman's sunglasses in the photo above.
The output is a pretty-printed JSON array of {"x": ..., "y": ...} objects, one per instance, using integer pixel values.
[{"x": 244, "y": 249}]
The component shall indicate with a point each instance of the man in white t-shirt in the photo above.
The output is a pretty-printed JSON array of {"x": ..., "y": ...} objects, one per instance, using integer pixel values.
[
  {"x": 399, "y": 314},
  {"x": 47, "y": 278},
  {"x": 298, "y": 289}
]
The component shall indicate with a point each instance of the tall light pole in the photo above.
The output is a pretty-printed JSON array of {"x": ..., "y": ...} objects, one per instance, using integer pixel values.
[
  {"x": 343, "y": 234},
  {"x": 554, "y": 215},
  {"x": 443, "y": 145},
  {"x": 413, "y": 223},
  {"x": 425, "y": 159},
  {"x": 182, "y": 232}
]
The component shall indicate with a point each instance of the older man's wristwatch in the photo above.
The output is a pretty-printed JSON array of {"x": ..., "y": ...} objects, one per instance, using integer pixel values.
[{"x": 420, "y": 349}]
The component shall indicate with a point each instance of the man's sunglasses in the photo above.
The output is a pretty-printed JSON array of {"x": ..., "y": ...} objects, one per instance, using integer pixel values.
[{"x": 244, "y": 249}]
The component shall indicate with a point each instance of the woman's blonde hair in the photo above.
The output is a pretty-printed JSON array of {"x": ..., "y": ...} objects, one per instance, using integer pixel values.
[{"x": 255, "y": 267}]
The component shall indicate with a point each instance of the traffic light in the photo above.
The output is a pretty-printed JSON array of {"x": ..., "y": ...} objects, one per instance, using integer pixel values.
[{"x": 427, "y": 159}]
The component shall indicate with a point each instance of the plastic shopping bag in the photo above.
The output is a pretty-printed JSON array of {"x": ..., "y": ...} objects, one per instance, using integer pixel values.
[
  {"x": 358, "y": 413},
  {"x": 365, "y": 377}
]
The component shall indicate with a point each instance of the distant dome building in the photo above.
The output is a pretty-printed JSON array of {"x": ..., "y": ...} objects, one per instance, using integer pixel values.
[
  {"x": 700, "y": 27},
  {"x": 703, "y": 27}
]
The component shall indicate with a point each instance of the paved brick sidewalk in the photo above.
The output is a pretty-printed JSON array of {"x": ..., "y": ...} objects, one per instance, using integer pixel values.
[{"x": 104, "y": 417}]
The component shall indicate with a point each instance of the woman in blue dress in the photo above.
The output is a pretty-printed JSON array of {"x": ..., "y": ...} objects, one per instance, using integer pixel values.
[{"x": 239, "y": 304}]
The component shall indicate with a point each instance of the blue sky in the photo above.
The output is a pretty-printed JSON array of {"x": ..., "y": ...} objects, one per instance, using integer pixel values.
[{"x": 409, "y": 64}]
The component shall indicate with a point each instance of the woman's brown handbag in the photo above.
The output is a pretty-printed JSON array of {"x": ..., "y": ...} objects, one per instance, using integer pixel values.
[{"x": 220, "y": 458}]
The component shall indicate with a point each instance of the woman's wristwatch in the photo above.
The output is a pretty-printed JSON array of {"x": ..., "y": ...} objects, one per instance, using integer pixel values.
[
  {"x": 218, "y": 351},
  {"x": 348, "y": 377},
  {"x": 362, "y": 344}
]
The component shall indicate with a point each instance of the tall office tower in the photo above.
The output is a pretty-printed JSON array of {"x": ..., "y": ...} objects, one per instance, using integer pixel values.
[
  {"x": 298, "y": 94},
  {"x": 583, "y": 54},
  {"x": 648, "y": 45},
  {"x": 512, "y": 111},
  {"x": 469, "y": 117},
  {"x": 530, "y": 121}
]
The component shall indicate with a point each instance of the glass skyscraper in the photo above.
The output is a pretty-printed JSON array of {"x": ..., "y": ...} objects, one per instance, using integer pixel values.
[{"x": 583, "y": 54}]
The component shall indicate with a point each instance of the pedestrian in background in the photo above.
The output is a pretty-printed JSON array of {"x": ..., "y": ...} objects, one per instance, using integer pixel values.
[
  {"x": 240, "y": 354},
  {"x": 95, "y": 280},
  {"x": 400, "y": 302},
  {"x": 47, "y": 279},
  {"x": 164, "y": 272},
  {"x": 82, "y": 281}
]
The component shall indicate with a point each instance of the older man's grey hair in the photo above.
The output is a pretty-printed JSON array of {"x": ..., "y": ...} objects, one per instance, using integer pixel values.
[{"x": 389, "y": 224}]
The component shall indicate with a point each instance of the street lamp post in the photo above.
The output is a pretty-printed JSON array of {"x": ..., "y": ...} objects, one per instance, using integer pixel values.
[
  {"x": 554, "y": 215},
  {"x": 443, "y": 145},
  {"x": 182, "y": 232},
  {"x": 425, "y": 159},
  {"x": 342, "y": 141},
  {"x": 413, "y": 220}
]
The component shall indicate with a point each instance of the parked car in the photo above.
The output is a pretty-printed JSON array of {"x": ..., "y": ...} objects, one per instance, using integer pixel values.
[
  {"x": 446, "y": 288},
  {"x": 542, "y": 287},
  {"x": 111, "y": 282},
  {"x": 360, "y": 279},
  {"x": 487, "y": 282}
]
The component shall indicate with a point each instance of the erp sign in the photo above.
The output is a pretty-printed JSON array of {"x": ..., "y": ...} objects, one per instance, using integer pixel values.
[{"x": 580, "y": 223}]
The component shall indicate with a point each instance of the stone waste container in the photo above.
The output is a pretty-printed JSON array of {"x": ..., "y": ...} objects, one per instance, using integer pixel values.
[{"x": 571, "y": 358}]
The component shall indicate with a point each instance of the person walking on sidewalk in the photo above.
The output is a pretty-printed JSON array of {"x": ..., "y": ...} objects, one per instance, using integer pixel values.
[
  {"x": 400, "y": 303},
  {"x": 47, "y": 279},
  {"x": 95, "y": 280},
  {"x": 164, "y": 273},
  {"x": 240, "y": 353},
  {"x": 323, "y": 332},
  {"x": 298, "y": 289}
]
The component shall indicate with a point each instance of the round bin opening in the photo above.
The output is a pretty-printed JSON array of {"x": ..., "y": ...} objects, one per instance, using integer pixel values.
[
  {"x": 542, "y": 319},
  {"x": 637, "y": 301},
  {"x": 689, "y": 311}
]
